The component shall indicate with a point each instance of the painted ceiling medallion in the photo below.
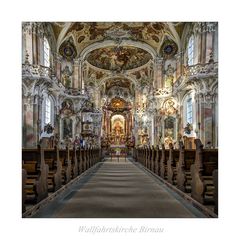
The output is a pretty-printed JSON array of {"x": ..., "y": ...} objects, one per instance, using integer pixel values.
[
  {"x": 68, "y": 50},
  {"x": 169, "y": 49},
  {"x": 118, "y": 58}
]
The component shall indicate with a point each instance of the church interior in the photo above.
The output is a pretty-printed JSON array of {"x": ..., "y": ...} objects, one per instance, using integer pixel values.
[{"x": 120, "y": 119}]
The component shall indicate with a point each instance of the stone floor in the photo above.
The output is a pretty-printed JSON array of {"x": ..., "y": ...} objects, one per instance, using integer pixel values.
[{"x": 119, "y": 189}]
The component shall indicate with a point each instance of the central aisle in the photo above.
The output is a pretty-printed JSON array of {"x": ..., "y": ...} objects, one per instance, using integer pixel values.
[{"x": 119, "y": 190}]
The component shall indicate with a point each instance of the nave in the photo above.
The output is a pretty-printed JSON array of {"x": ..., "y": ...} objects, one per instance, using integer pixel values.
[
  {"x": 144, "y": 91},
  {"x": 119, "y": 188}
]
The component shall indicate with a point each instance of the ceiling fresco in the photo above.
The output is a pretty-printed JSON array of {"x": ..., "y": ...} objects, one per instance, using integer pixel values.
[
  {"x": 94, "y": 75},
  {"x": 118, "y": 58},
  {"x": 87, "y": 33}
]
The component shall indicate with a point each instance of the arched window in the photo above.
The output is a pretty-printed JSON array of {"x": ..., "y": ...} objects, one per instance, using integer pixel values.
[
  {"x": 190, "y": 51},
  {"x": 47, "y": 114},
  {"x": 47, "y": 111},
  {"x": 46, "y": 53},
  {"x": 189, "y": 111}
]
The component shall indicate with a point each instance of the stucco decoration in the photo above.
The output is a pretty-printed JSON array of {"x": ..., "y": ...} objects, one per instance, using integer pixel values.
[
  {"x": 87, "y": 33},
  {"x": 68, "y": 50},
  {"x": 168, "y": 49}
]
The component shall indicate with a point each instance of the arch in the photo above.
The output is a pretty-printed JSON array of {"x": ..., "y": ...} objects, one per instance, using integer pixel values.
[
  {"x": 109, "y": 43},
  {"x": 113, "y": 120},
  {"x": 103, "y": 80}
]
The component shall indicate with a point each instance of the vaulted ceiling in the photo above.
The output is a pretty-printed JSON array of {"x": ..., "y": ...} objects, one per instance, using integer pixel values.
[
  {"x": 83, "y": 34},
  {"x": 117, "y": 47}
]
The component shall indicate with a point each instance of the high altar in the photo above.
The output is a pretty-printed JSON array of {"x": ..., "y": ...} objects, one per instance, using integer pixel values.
[{"x": 117, "y": 123}]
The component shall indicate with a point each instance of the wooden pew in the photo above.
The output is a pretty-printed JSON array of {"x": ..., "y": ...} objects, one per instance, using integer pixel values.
[
  {"x": 66, "y": 165},
  {"x": 95, "y": 155},
  {"x": 135, "y": 154},
  {"x": 24, "y": 178},
  {"x": 81, "y": 161},
  {"x": 49, "y": 160},
  {"x": 91, "y": 157},
  {"x": 149, "y": 154},
  {"x": 186, "y": 159},
  {"x": 156, "y": 160},
  {"x": 159, "y": 161},
  {"x": 152, "y": 160},
  {"x": 84, "y": 159},
  {"x": 206, "y": 161},
  {"x": 88, "y": 157},
  {"x": 144, "y": 155},
  {"x": 139, "y": 152},
  {"x": 58, "y": 172},
  {"x": 172, "y": 164},
  {"x": 215, "y": 195},
  {"x": 163, "y": 162},
  {"x": 78, "y": 159},
  {"x": 36, "y": 187},
  {"x": 74, "y": 162}
]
